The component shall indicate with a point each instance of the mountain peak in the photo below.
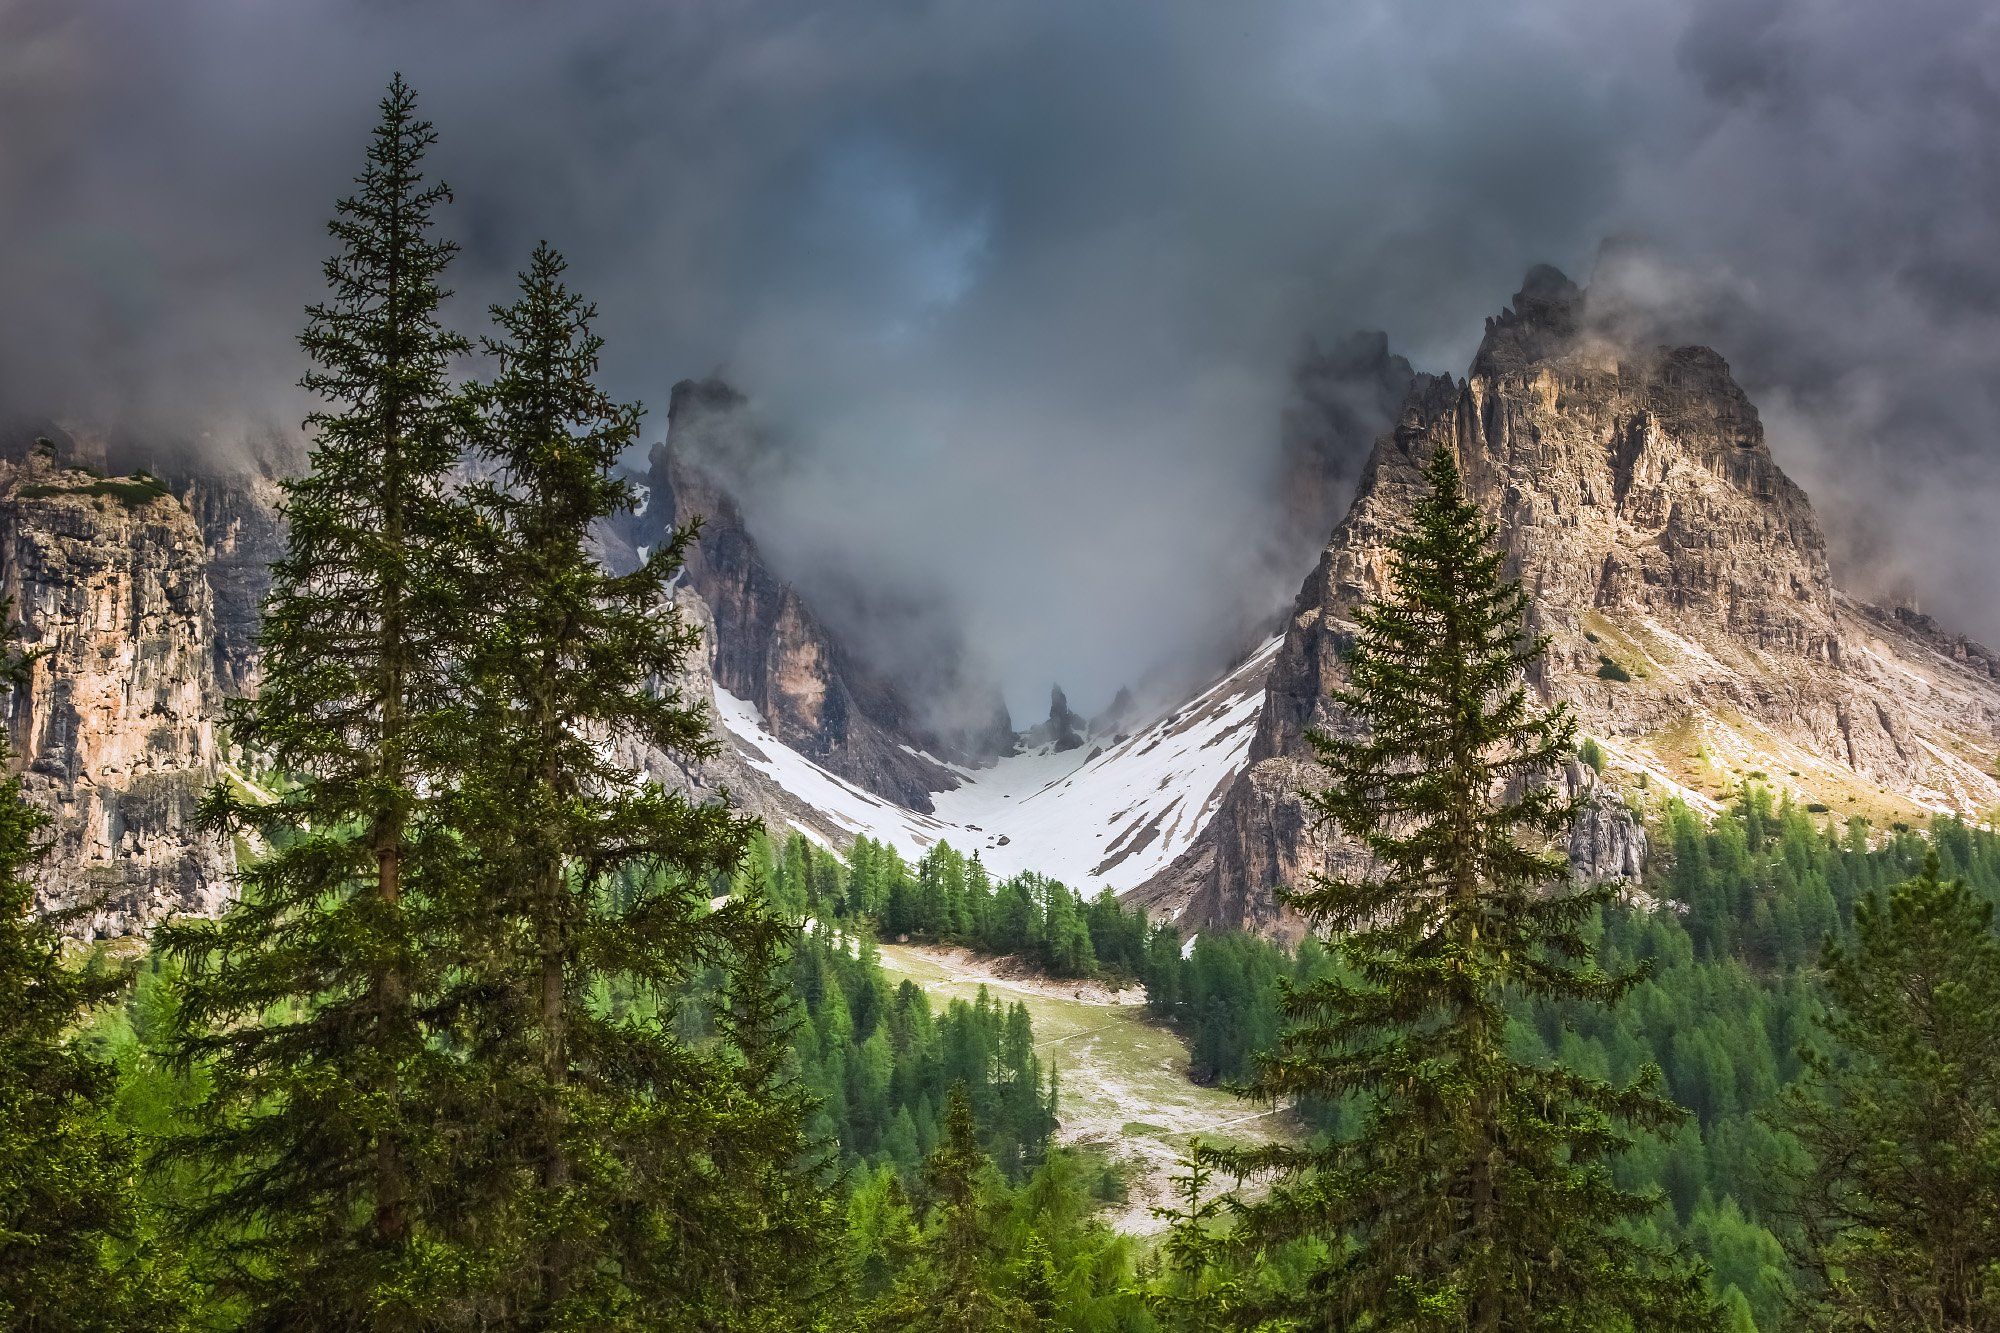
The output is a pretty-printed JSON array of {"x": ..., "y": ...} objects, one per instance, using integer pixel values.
[
  {"x": 1064, "y": 729},
  {"x": 1681, "y": 580},
  {"x": 1543, "y": 321},
  {"x": 1546, "y": 285},
  {"x": 711, "y": 394}
]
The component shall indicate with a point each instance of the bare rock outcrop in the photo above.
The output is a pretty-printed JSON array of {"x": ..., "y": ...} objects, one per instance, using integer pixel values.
[
  {"x": 1064, "y": 728},
  {"x": 1682, "y": 579},
  {"x": 731, "y": 772},
  {"x": 113, "y": 730},
  {"x": 236, "y": 513},
  {"x": 770, "y": 648}
]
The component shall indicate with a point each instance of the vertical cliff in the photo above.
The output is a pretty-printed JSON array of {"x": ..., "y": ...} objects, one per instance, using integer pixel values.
[
  {"x": 236, "y": 515},
  {"x": 113, "y": 730}
]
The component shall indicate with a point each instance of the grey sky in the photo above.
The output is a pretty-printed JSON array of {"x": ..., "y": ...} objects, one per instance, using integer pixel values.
[{"x": 1017, "y": 285}]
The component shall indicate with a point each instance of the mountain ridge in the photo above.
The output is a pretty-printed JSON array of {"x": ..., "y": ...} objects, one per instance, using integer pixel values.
[{"x": 1682, "y": 579}]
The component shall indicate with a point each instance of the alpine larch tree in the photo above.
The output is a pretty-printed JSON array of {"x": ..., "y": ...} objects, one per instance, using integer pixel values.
[
  {"x": 328, "y": 1138},
  {"x": 598, "y": 880},
  {"x": 1477, "y": 1192},
  {"x": 1898, "y": 1205}
]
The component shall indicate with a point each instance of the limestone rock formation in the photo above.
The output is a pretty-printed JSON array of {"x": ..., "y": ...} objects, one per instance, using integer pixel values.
[
  {"x": 113, "y": 730},
  {"x": 1683, "y": 581},
  {"x": 1063, "y": 729},
  {"x": 770, "y": 648},
  {"x": 729, "y": 771},
  {"x": 236, "y": 512}
]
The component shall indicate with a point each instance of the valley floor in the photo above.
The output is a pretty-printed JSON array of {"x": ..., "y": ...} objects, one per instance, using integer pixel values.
[{"x": 1125, "y": 1088}]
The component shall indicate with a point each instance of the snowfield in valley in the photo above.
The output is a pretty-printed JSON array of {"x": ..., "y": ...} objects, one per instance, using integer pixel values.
[{"x": 1109, "y": 813}]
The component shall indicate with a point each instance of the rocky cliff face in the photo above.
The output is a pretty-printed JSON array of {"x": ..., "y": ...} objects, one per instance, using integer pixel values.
[
  {"x": 236, "y": 514},
  {"x": 1063, "y": 730},
  {"x": 1683, "y": 580},
  {"x": 147, "y": 597},
  {"x": 113, "y": 730},
  {"x": 769, "y": 647}
]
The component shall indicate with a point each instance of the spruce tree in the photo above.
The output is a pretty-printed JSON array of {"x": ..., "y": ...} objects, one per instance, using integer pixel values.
[
  {"x": 1198, "y": 1287},
  {"x": 1899, "y": 1114},
  {"x": 597, "y": 883},
  {"x": 65, "y": 1181},
  {"x": 329, "y": 1157},
  {"x": 952, "y": 1285},
  {"x": 783, "y": 1271},
  {"x": 1477, "y": 1192}
]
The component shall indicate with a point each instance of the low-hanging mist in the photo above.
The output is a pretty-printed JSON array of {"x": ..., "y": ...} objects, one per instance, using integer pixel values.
[{"x": 1018, "y": 289}]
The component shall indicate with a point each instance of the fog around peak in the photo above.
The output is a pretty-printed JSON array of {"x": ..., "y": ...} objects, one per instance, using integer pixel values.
[{"x": 1019, "y": 289}]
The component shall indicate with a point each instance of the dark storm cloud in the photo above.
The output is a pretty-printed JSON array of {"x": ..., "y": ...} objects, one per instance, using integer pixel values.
[{"x": 1016, "y": 286}]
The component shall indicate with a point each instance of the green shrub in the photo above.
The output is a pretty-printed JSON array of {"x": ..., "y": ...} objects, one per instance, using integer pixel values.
[
  {"x": 133, "y": 492},
  {"x": 1610, "y": 670}
]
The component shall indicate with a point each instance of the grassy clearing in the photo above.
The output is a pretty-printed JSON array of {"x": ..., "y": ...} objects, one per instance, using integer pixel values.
[{"x": 1125, "y": 1088}]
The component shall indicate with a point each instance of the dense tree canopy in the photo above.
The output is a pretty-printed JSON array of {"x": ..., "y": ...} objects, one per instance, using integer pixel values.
[
  {"x": 1898, "y": 1204},
  {"x": 308, "y": 1001}
]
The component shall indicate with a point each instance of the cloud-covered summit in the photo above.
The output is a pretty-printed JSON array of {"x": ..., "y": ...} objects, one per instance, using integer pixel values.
[{"x": 1019, "y": 287}]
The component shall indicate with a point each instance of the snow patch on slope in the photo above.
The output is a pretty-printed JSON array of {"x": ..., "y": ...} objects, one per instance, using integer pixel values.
[
  {"x": 1099, "y": 816},
  {"x": 848, "y": 807}
]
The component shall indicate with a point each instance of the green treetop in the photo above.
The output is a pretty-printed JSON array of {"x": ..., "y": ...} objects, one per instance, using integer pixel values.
[
  {"x": 324, "y": 1143},
  {"x": 1477, "y": 1192},
  {"x": 1899, "y": 1114},
  {"x": 597, "y": 881},
  {"x": 955, "y": 1285}
]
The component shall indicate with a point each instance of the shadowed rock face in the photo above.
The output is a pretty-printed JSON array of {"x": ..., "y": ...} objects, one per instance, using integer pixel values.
[
  {"x": 768, "y": 646},
  {"x": 1634, "y": 493},
  {"x": 113, "y": 730},
  {"x": 1064, "y": 729},
  {"x": 242, "y": 534}
]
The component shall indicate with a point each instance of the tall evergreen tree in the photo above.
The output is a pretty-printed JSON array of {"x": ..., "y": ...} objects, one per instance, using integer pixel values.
[
  {"x": 953, "y": 1285},
  {"x": 329, "y": 1160},
  {"x": 783, "y": 1272},
  {"x": 597, "y": 883},
  {"x": 65, "y": 1182},
  {"x": 1899, "y": 1115},
  {"x": 1478, "y": 1191}
]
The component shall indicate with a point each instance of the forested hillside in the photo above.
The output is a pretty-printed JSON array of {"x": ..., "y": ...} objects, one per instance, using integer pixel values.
[
  {"x": 1731, "y": 994},
  {"x": 1723, "y": 1012},
  {"x": 1730, "y": 934}
]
